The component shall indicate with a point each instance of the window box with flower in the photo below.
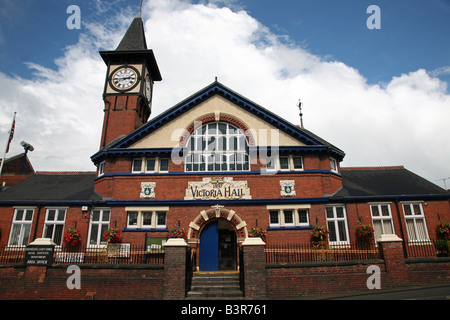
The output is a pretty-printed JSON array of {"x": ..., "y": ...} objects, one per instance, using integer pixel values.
[
  {"x": 258, "y": 232},
  {"x": 177, "y": 233}
]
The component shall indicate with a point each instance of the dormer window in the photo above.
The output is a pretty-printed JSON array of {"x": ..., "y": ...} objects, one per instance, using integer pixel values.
[{"x": 217, "y": 147}]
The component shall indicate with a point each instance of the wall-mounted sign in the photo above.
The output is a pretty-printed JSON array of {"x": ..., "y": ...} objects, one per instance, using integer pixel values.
[
  {"x": 39, "y": 255},
  {"x": 217, "y": 188}
]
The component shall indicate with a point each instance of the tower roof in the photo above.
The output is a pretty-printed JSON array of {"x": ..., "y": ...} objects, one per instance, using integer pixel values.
[
  {"x": 134, "y": 38},
  {"x": 133, "y": 48}
]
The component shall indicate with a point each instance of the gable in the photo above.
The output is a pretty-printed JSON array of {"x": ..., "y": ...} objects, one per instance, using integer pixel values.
[
  {"x": 214, "y": 102},
  {"x": 218, "y": 109}
]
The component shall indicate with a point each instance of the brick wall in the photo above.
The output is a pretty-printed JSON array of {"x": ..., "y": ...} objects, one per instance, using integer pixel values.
[{"x": 97, "y": 282}]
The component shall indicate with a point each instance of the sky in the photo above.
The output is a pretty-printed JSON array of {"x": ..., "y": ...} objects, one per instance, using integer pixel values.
[{"x": 382, "y": 94}]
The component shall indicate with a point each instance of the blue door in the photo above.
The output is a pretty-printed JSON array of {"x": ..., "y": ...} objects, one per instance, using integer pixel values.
[{"x": 209, "y": 247}]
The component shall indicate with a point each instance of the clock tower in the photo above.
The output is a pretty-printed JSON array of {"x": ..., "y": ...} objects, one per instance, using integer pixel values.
[{"x": 131, "y": 72}]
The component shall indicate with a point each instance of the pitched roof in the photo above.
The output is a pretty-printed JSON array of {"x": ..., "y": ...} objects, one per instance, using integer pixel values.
[
  {"x": 311, "y": 140},
  {"x": 134, "y": 38},
  {"x": 53, "y": 187},
  {"x": 133, "y": 48},
  {"x": 366, "y": 182}
]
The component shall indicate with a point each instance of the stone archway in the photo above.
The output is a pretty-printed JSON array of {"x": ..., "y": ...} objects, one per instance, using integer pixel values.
[{"x": 217, "y": 212}]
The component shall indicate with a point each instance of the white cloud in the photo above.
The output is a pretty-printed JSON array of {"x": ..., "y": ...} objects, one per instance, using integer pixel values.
[{"x": 404, "y": 121}]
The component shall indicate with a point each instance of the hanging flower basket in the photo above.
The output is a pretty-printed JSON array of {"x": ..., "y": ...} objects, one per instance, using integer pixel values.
[
  {"x": 443, "y": 230},
  {"x": 364, "y": 232},
  {"x": 112, "y": 236},
  {"x": 258, "y": 232},
  {"x": 72, "y": 237},
  {"x": 177, "y": 232},
  {"x": 319, "y": 234}
]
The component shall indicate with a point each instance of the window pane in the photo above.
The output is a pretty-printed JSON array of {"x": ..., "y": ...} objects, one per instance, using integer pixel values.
[
  {"x": 48, "y": 233},
  {"x": 95, "y": 215},
  {"x": 51, "y": 215},
  {"x": 375, "y": 212},
  {"x": 332, "y": 229},
  {"x": 303, "y": 216},
  {"x": 274, "y": 217},
  {"x": 288, "y": 217},
  {"x": 163, "y": 164},
  {"x": 105, "y": 215},
  {"x": 26, "y": 233},
  {"x": 342, "y": 231},
  {"x": 417, "y": 211},
  {"x": 94, "y": 234},
  {"x": 29, "y": 215},
  {"x": 270, "y": 163},
  {"x": 15, "y": 234},
  {"x": 161, "y": 219},
  {"x": 410, "y": 229},
  {"x": 222, "y": 128},
  {"x": 284, "y": 163},
  {"x": 19, "y": 215},
  {"x": 104, "y": 227},
  {"x": 298, "y": 163},
  {"x": 421, "y": 230},
  {"x": 58, "y": 234},
  {"x": 150, "y": 165},
  {"x": 146, "y": 218},
  {"x": 132, "y": 218},
  {"x": 137, "y": 165},
  {"x": 387, "y": 224},
  {"x": 377, "y": 227},
  {"x": 385, "y": 210},
  {"x": 61, "y": 215},
  {"x": 407, "y": 209},
  {"x": 340, "y": 212},
  {"x": 330, "y": 213}
]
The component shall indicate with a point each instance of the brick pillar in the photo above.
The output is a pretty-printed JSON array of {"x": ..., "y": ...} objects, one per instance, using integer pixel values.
[
  {"x": 174, "y": 269},
  {"x": 394, "y": 259},
  {"x": 254, "y": 268}
]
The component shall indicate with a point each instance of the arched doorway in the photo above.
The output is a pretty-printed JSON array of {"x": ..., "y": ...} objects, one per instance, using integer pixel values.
[
  {"x": 218, "y": 246},
  {"x": 216, "y": 233}
]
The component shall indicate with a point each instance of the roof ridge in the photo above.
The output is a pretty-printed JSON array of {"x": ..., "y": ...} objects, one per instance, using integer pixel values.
[
  {"x": 373, "y": 168},
  {"x": 64, "y": 172}
]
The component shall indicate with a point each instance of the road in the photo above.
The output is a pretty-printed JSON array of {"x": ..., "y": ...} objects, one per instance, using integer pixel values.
[{"x": 436, "y": 292}]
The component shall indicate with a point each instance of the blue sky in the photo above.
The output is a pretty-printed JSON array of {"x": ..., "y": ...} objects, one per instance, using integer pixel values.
[
  {"x": 382, "y": 95},
  {"x": 414, "y": 33}
]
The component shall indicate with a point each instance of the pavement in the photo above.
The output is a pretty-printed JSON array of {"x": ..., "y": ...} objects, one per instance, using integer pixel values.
[{"x": 432, "y": 292}]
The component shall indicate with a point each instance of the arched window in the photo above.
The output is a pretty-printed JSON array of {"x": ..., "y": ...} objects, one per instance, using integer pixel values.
[{"x": 217, "y": 147}]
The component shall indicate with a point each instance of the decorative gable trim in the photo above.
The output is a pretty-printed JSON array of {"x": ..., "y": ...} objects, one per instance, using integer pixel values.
[{"x": 217, "y": 88}]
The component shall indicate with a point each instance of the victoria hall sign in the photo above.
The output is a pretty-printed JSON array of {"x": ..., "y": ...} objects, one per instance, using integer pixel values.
[{"x": 217, "y": 188}]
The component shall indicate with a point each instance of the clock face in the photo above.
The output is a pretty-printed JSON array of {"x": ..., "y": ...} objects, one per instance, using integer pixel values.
[
  {"x": 148, "y": 88},
  {"x": 124, "y": 79}
]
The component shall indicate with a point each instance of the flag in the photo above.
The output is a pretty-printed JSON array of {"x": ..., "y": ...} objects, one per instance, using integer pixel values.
[{"x": 11, "y": 133}]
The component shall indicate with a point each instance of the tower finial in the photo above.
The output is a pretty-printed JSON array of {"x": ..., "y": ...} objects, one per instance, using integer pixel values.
[
  {"x": 301, "y": 114},
  {"x": 140, "y": 9}
]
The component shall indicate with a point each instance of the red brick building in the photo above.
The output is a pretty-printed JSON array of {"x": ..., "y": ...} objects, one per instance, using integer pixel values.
[{"x": 216, "y": 164}]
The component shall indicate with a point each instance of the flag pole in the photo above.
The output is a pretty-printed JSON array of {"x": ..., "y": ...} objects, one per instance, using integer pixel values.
[{"x": 10, "y": 136}]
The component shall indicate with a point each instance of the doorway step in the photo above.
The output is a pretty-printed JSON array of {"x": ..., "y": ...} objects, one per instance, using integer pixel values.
[{"x": 219, "y": 285}]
